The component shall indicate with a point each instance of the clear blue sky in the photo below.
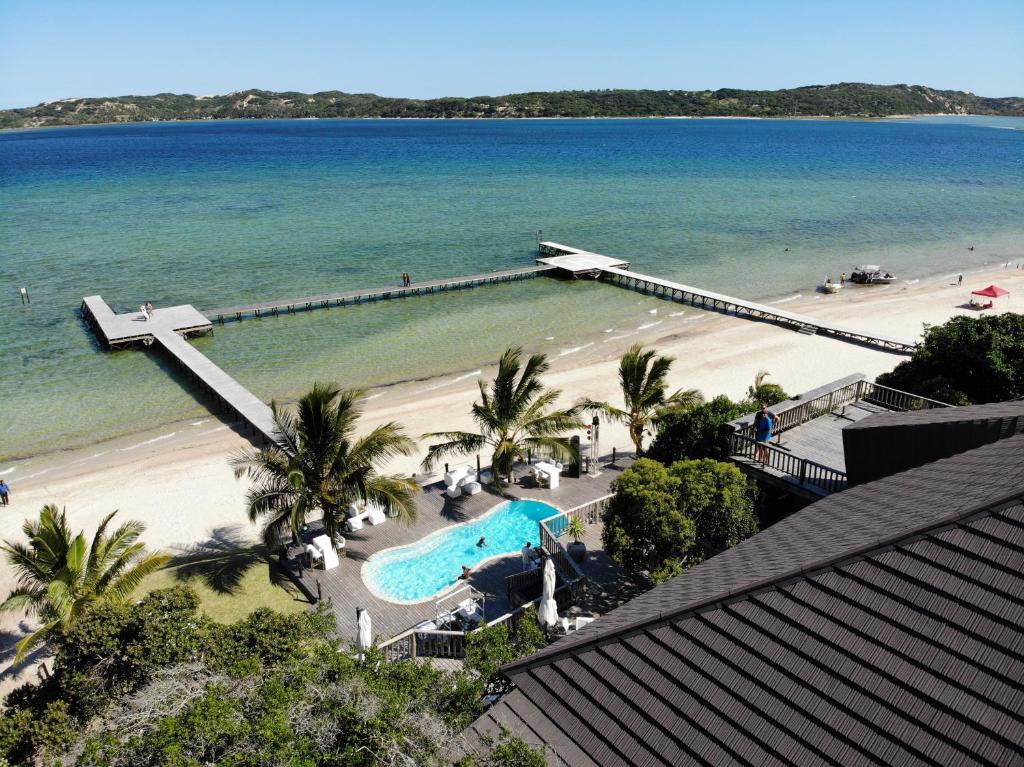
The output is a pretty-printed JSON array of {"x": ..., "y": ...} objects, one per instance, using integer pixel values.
[{"x": 52, "y": 49}]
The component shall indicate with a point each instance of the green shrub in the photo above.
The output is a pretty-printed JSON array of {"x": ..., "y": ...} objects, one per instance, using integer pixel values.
[
  {"x": 644, "y": 529},
  {"x": 697, "y": 432},
  {"x": 966, "y": 360},
  {"x": 719, "y": 500}
]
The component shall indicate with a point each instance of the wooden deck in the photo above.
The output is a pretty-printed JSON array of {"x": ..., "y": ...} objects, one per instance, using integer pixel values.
[
  {"x": 344, "y": 587},
  {"x": 350, "y": 297},
  {"x": 819, "y": 440},
  {"x": 132, "y": 328}
]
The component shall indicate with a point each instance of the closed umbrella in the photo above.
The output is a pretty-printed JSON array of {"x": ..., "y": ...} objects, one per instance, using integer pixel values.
[
  {"x": 364, "y": 632},
  {"x": 547, "y": 613}
]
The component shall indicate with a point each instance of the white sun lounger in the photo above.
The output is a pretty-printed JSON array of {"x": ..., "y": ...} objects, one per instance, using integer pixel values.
[{"x": 327, "y": 552}]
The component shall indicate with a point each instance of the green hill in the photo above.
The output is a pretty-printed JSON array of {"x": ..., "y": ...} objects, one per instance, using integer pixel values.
[{"x": 842, "y": 100}]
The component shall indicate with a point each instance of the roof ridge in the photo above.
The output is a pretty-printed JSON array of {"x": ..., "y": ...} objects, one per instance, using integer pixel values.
[{"x": 957, "y": 518}]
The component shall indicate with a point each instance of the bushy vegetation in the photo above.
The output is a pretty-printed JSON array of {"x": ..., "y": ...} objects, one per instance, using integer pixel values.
[
  {"x": 968, "y": 360},
  {"x": 697, "y": 432},
  {"x": 492, "y": 647},
  {"x": 157, "y": 683},
  {"x": 664, "y": 520},
  {"x": 843, "y": 99}
]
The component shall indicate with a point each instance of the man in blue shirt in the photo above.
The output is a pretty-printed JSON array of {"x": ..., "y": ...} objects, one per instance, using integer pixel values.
[
  {"x": 764, "y": 425},
  {"x": 5, "y": 491}
]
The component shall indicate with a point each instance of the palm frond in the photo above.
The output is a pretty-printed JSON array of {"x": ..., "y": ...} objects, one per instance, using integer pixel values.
[{"x": 454, "y": 443}]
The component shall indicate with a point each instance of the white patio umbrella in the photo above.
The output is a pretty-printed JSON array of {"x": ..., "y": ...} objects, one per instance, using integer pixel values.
[
  {"x": 364, "y": 633},
  {"x": 547, "y": 613}
]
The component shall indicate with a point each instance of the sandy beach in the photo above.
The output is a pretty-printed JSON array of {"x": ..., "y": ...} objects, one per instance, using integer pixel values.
[{"x": 178, "y": 481}]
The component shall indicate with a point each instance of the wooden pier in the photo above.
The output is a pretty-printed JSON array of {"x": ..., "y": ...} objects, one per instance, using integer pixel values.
[
  {"x": 583, "y": 263},
  {"x": 166, "y": 328},
  {"x": 236, "y": 399},
  {"x": 352, "y": 297}
]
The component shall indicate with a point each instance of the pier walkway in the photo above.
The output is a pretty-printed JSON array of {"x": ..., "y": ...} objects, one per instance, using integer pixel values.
[
  {"x": 288, "y": 306},
  {"x": 239, "y": 401},
  {"x": 584, "y": 263}
]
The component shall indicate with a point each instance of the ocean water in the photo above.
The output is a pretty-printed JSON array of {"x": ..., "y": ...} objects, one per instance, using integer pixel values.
[
  {"x": 419, "y": 571},
  {"x": 216, "y": 214}
]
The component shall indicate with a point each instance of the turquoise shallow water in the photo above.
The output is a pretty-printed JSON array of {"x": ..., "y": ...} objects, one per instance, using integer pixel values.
[
  {"x": 225, "y": 213},
  {"x": 421, "y": 570}
]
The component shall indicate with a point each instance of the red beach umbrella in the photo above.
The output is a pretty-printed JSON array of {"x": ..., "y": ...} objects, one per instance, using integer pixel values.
[{"x": 992, "y": 291}]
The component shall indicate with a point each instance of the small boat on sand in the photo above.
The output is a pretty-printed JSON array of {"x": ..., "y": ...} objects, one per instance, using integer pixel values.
[
  {"x": 831, "y": 287},
  {"x": 870, "y": 274}
]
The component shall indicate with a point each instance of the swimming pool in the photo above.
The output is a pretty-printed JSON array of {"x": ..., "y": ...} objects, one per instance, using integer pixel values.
[{"x": 422, "y": 570}]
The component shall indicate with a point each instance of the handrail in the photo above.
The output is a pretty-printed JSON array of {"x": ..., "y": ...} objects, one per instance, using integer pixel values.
[
  {"x": 795, "y": 412},
  {"x": 806, "y": 471},
  {"x": 894, "y": 397}
]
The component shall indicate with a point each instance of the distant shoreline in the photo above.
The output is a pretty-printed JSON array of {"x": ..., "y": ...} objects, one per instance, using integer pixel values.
[{"x": 199, "y": 121}]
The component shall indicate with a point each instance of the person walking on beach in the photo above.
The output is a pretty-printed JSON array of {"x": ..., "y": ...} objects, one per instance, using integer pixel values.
[
  {"x": 959, "y": 280},
  {"x": 764, "y": 423},
  {"x": 5, "y": 492},
  {"x": 842, "y": 278}
]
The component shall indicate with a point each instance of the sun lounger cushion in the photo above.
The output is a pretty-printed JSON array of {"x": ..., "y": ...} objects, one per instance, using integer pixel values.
[
  {"x": 471, "y": 488},
  {"x": 376, "y": 515},
  {"x": 355, "y": 523},
  {"x": 453, "y": 491}
]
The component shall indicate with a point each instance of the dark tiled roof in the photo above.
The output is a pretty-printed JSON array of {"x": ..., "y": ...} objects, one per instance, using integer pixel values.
[
  {"x": 882, "y": 624},
  {"x": 887, "y": 443}
]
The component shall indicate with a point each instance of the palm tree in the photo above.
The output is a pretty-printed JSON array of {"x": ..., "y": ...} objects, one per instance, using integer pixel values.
[
  {"x": 514, "y": 417},
  {"x": 317, "y": 464},
  {"x": 642, "y": 377},
  {"x": 60, "y": 578}
]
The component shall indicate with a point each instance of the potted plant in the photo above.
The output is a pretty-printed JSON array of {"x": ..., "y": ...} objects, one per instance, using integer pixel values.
[{"x": 577, "y": 549}]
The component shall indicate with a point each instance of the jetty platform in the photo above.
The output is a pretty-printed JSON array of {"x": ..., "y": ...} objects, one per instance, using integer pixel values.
[
  {"x": 350, "y": 297},
  {"x": 115, "y": 331},
  {"x": 583, "y": 263}
]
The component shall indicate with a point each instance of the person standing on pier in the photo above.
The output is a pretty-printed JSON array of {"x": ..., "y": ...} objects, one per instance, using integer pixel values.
[
  {"x": 144, "y": 311},
  {"x": 5, "y": 492},
  {"x": 764, "y": 423}
]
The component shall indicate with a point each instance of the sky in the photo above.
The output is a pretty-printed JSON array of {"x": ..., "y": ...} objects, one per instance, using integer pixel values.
[{"x": 428, "y": 48}]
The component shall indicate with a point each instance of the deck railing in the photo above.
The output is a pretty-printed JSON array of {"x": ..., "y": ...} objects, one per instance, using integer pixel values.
[
  {"x": 793, "y": 413},
  {"x": 894, "y": 399},
  {"x": 434, "y": 643},
  {"x": 802, "y": 471}
]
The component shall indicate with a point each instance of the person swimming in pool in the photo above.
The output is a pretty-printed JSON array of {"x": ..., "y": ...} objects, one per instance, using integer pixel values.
[
  {"x": 482, "y": 542},
  {"x": 465, "y": 573}
]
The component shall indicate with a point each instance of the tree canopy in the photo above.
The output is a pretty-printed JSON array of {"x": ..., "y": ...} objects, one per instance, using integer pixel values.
[
  {"x": 643, "y": 378},
  {"x": 967, "y": 360},
  {"x": 696, "y": 432},
  {"x": 515, "y": 415},
  {"x": 318, "y": 464},
  {"x": 61, "y": 578},
  {"x": 157, "y": 683},
  {"x": 662, "y": 521},
  {"x": 857, "y": 99}
]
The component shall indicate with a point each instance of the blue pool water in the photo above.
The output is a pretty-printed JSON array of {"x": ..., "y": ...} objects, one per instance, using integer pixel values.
[{"x": 421, "y": 570}]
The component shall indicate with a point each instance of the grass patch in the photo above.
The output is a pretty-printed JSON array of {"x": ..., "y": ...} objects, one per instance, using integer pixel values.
[
  {"x": 232, "y": 576},
  {"x": 255, "y": 588}
]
